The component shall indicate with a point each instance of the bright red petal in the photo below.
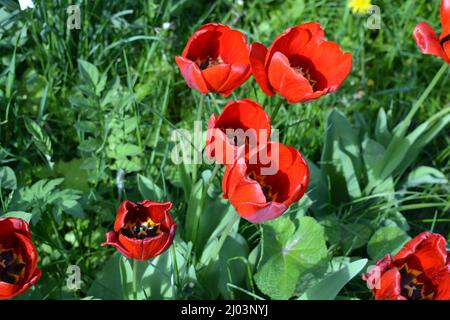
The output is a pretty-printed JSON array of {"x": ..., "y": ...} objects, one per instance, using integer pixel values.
[
  {"x": 442, "y": 284},
  {"x": 258, "y": 54},
  {"x": 389, "y": 286},
  {"x": 192, "y": 74},
  {"x": 216, "y": 76},
  {"x": 428, "y": 41},
  {"x": 429, "y": 250},
  {"x": 239, "y": 73},
  {"x": 260, "y": 212},
  {"x": 286, "y": 81},
  {"x": 445, "y": 18}
]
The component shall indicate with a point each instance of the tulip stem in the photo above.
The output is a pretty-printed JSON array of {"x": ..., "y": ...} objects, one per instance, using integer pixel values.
[
  {"x": 135, "y": 272},
  {"x": 224, "y": 235},
  {"x": 275, "y": 113},
  {"x": 405, "y": 123},
  {"x": 199, "y": 118}
]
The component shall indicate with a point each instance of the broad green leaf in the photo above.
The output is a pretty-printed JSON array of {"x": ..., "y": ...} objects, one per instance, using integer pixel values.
[
  {"x": 288, "y": 253},
  {"x": 329, "y": 287},
  {"x": 7, "y": 178},
  {"x": 88, "y": 72},
  {"x": 149, "y": 189},
  {"x": 386, "y": 240},
  {"x": 18, "y": 214},
  {"x": 425, "y": 175}
]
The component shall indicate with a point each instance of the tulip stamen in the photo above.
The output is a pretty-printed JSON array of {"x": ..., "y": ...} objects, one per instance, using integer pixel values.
[
  {"x": 210, "y": 62},
  {"x": 11, "y": 266},
  {"x": 142, "y": 229},
  {"x": 307, "y": 75},
  {"x": 412, "y": 288}
]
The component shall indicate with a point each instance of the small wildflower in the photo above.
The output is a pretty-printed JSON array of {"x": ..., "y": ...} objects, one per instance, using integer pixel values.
[{"x": 360, "y": 6}]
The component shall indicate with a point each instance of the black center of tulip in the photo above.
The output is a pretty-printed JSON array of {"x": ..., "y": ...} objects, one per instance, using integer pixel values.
[
  {"x": 411, "y": 287},
  {"x": 445, "y": 39},
  {"x": 11, "y": 266},
  {"x": 266, "y": 188},
  {"x": 210, "y": 62},
  {"x": 141, "y": 229}
]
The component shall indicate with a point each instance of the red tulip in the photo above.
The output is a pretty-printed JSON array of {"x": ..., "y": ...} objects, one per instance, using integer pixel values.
[
  {"x": 427, "y": 39},
  {"x": 142, "y": 230},
  {"x": 266, "y": 182},
  {"x": 241, "y": 123},
  {"x": 18, "y": 258},
  {"x": 300, "y": 65},
  {"x": 419, "y": 271},
  {"x": 215, "y": 59}
]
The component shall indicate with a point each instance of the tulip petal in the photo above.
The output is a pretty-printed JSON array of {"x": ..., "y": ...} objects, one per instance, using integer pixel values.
[
  {"x": 428, "y": 41},
  {"x": 427, "y": 249},
  {"x": 9, "y": 226},
  {"x": 331, "y": 64},
  {"x": 389, "y": 286},
  {"x": 112, "y": 239},
  {"x": 233, "y": 47},
  {"x": 192, "y": 74},
  {"x": 442, "y": 284},
  {"x": 445, "y": 18},
  {"x": 8, "y": 290},
  {"x": 258, "y": 54},
  {"x": 216, "y": 76},
  {"x": 239, "y": 73},
  {"x": 286, "y": 81},
  {"x": 260, "y": 212}
]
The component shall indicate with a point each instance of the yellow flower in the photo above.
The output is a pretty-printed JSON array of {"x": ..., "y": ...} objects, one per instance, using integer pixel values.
[{"x": 360, "y": 6}]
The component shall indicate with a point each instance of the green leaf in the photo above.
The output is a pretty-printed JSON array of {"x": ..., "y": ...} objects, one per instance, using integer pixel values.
[
  {"x": 7, "y": 178},
  {"x": 18, "y": 214},
  {"x": 425, "y": 175},
  {"x": 386, "y": 240},
  {"x": 287, "y": 254},
  {"x": 149, "y": 189},
  {"x": 89, "y": 72},
  {"x": 331, "y": 285}
]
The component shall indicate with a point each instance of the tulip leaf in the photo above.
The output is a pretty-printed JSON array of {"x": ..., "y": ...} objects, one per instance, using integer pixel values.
[
  {"x": 329, "y": 287},
  {"x": 288, "y": 253},
  {"x": 386, "y": 240}
]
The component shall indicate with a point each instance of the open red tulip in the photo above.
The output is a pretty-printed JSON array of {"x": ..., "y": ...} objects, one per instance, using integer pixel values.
[
  {"x": 262, "y": 185},
  {"x": 215, "y": 59},
  {"x": 300, "y": 65},
  {"x": 142, "y": 230},
  {"x": 18, "y": 258},
  {"x": 242, "y": 123},
  {"x": 419, "y": 271},
  {"x": 427, "y": 39}
]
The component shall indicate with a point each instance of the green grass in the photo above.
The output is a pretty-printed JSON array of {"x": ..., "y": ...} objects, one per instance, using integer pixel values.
[{"x": 96, "y": 127}]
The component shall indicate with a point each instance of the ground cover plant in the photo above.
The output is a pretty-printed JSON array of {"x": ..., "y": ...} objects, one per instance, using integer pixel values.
[{"x": 119, "y": 178}]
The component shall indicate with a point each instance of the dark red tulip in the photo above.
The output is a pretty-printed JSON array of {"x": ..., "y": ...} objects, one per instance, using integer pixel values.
[
  {"x": 419, "y": 271},
  {"x": 142, "y": 230},
  {"x": 215, "y": 59},
  {"x": 18, "y": 258},
  {"x": 427, "y": 39},
  {"x": 259, "y": 193},
  {"x": 300, "y": 65},
  {"x": 241, "y": 123}
]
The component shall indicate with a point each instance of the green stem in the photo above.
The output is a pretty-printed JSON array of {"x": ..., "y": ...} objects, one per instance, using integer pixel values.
[
  {"x": 421, "y": 100},
  {"x": 224, "y": 235},
  {"x": 135, "y": 276},
  {"x": 274, "y": 115},
  {"x": 199, "y": 118}
]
